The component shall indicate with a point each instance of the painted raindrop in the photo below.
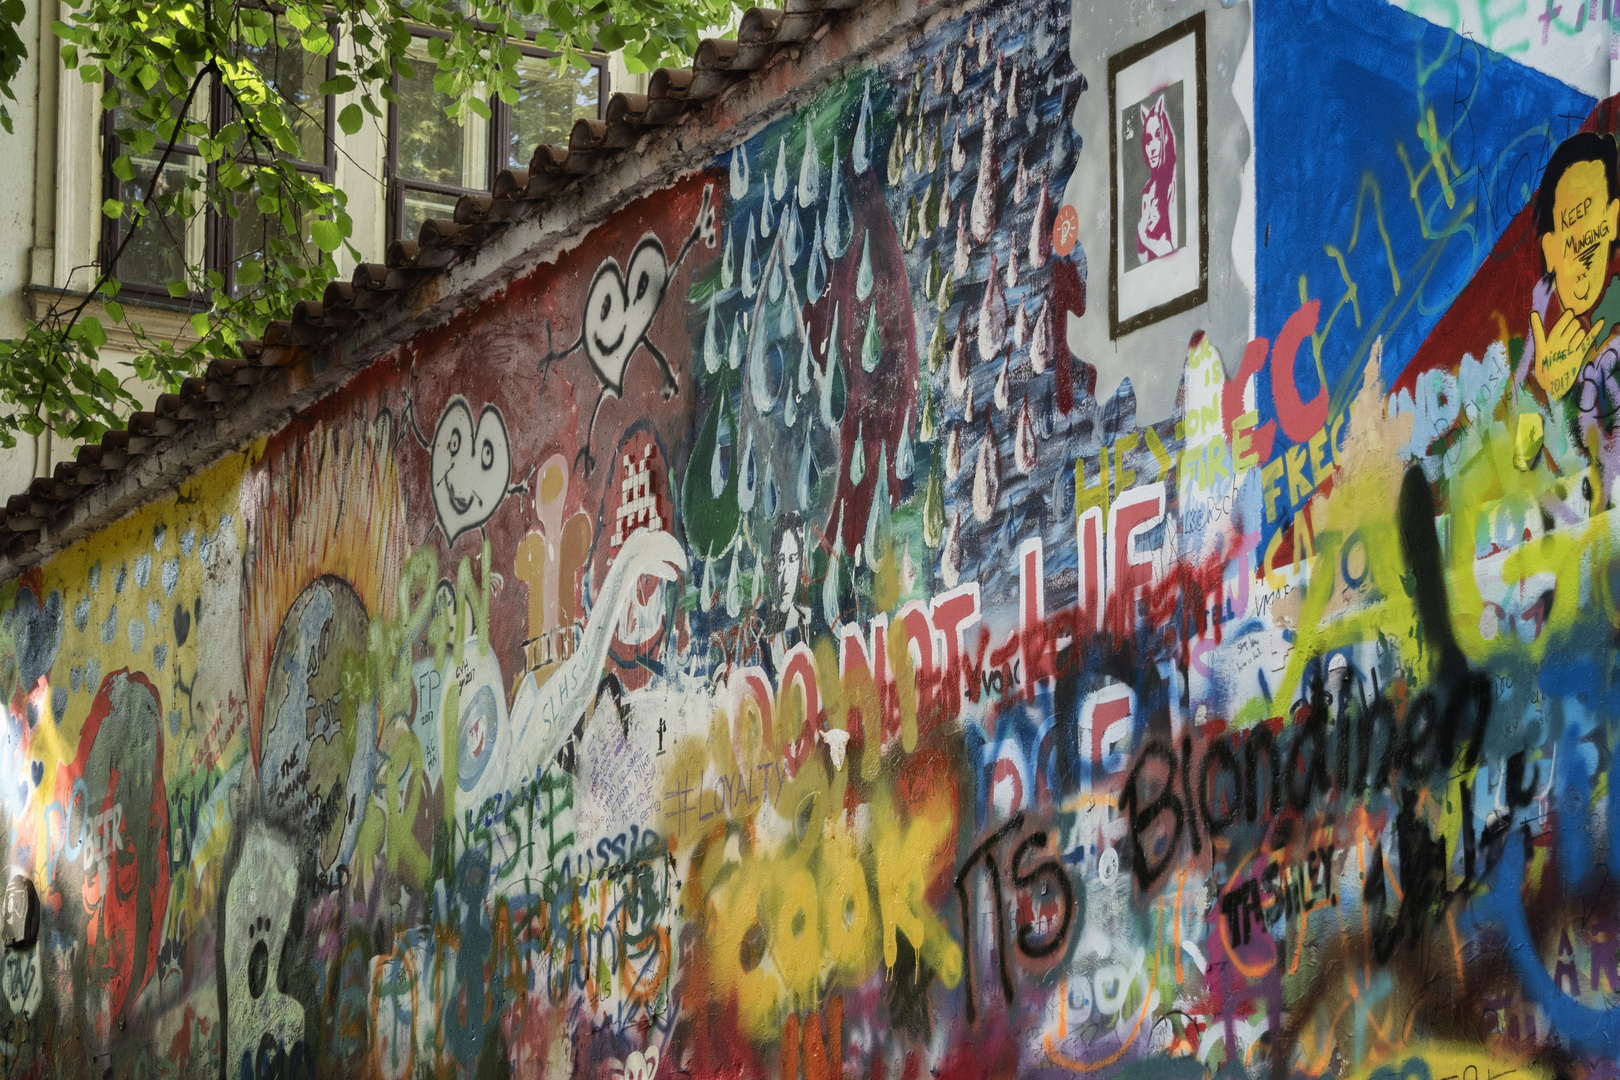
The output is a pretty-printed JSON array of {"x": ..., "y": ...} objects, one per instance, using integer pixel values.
[
  {"x": 1020, "y": 328},
  {"x": 1024, "y": 446},
  {"x": 983, "y": 217},
  {"x": 905, "y": 459},
  {"x": 926, "y": 426},
  {"x": 810, "y": 166},
  {"x": 739, "y": 173},
  {"x": 863, "y": 275},
  {"x": 840, "y": 232},
  {"x": 871, "y": 347},
  {"x": 765, "y": 215},
  {"x": 706, "y": 593},
  {"x": 1011, "y": 275},
  {"x": 773, "y": 497},
  {"x": 733, "y": 590},
  {"x": 987, "y": 474},
  {"x": 815, "y": 279},
  {"x": 1012, "y": 94},
  {"x": 750, "y": 265},
  {"x": 758, "y": 378},
  {"x": 958, "y": 155},
  {"x": 959, "y": 73},
  {"x": 734, "y": 354},
  {"x": 992, "y": 315},
  {"x": 933, "y": 516},
  {"x": 792, "y": 235},
  {"x": 804, "y": 365},
  {"x": 832, "y": 381},
  {"x": 1002, "y": 392},
  {"x": 829, "y": 586},
  {"x": 1020, "y": 180},
  {"x": 808, "y": 475},
  {"x": 857, "y": 455},
  {"x": 995, "y": 79},
  {"x": 964, "y": 250},
  {"x": 720, "y": 460},
  {"x": 960, "y": 368},
  {"x": 711, "y": 343},
  {"x": 728, "y": 264},
  {"x": 953, "y": 452},
  {"x": 774, "y": 289},
  {"x": 860, "y": 154},
  {"x": 1040, "y": 231},
  {"x": 748, "y": 475},
  {"x": 878, "y": 517},
  {"x": 1040, "y": 344},
  {"x": 780, "y": 182}
]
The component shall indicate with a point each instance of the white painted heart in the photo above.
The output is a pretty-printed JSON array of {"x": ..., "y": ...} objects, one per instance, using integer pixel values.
[
  {"x": 471, "y": 466},
  {"x": 620, "y": 307}
]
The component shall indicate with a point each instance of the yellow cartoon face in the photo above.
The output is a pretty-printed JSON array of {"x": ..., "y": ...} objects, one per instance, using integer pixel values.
[{"x": 1584, "y": 228}]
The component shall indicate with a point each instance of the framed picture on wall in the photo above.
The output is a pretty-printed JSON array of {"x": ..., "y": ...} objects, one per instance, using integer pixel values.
[{"x": 1157, "y": 150}]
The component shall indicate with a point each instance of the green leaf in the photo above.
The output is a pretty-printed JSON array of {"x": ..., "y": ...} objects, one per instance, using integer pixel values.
[
  {"x": 115, "y": 310},
  {"x": 94, "y": 335},
  {"x": 199, "y": 324},
  {"x": 479, "y": 106},
  {"x": 123, "y": 169},
  {"x": 350, "y": 119},
  {"x": 338, "y": 84},
  {"x": 327, "y": 235},
  {"x": 249, "y": 273},
  {"x": 113, "y": 208},
  {"x": 179, "y": 290}
]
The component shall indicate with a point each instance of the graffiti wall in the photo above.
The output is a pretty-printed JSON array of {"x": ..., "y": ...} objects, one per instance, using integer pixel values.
[{"x": 1088, "y": 547}]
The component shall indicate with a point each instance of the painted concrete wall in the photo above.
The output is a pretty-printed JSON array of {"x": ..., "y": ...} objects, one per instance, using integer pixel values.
[{"x": 1085, "y": 549}]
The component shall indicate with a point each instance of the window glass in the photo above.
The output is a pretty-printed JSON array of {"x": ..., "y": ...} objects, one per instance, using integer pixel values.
[
  {"x": 297, "y": 76},
  {"x": 549, "y": 101},
  {"x": 421, "y": 205},
  {"x": 432, "y": 146},
  {"x": 167, "y": 241},
  {"x": 248, "y": 239},
  {"x": 125, "y": 118}
]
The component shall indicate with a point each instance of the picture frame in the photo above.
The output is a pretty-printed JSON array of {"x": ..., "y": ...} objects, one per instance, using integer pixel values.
[{"x": 1158, "y": 152}]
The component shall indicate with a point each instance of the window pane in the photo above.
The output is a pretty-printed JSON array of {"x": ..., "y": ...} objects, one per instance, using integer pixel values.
[
  {"x": 549, "y": 101},
  {"x": 249, "y": 238},
  {"x": 421, "y": 205},
  {"x": 124, "y": 117},
  {"x": 297, "y": 76},
  {"x": 166, "y": 241},
  {"x": 432, "y": 146}
]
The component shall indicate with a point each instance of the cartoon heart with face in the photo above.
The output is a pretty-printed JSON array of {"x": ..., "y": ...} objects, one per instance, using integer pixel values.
[
  {"x": 620, "y": 307},
  {"x": 471, "y": 466}
]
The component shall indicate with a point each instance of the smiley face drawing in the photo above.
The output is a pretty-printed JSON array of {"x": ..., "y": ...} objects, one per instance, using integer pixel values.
[
  {"x": 619, "y": 311},
  {"x": 470, "y": 466}
]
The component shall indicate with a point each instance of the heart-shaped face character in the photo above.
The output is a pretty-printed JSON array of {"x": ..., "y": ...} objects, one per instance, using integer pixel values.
[
  {"x": 471, "y": 467},
  {"x": 620, "y": 307}
]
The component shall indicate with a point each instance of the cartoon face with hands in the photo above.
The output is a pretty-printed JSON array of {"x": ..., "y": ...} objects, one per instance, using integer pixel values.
[
  {"x": 619, "y": 310},
  {"x": 1577, "y": 221}
]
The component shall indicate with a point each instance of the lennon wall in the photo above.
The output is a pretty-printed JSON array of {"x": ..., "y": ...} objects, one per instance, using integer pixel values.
[{"x": 1084, "y": 549}]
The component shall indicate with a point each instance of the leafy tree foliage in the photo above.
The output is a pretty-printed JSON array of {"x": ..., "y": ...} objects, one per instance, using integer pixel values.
[{"x": 161, "y": 62}]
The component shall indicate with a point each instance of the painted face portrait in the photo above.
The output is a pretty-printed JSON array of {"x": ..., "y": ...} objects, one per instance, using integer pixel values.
[{"x": 1577, "y": 249}]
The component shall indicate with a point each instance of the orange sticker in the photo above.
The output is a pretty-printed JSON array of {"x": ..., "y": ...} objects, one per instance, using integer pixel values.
[{"x": 1065, "y": 231}]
